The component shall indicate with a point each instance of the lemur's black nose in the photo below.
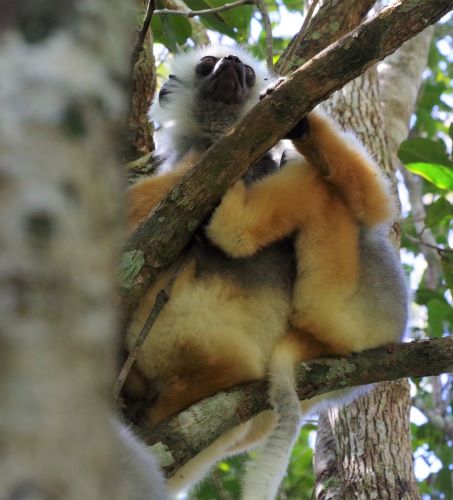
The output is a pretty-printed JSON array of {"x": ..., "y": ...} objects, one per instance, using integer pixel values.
[{"x": 233, "y": 59}]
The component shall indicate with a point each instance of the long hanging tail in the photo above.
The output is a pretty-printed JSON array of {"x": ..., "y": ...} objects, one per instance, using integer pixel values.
[
  {"x": 264, "y": 474},
  {"x": 199, "y": 466},
  {"x": 240, "y": 439}
]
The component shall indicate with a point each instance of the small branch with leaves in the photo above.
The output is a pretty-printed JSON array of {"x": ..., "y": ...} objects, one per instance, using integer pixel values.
[{"x": 438, "y": 249}]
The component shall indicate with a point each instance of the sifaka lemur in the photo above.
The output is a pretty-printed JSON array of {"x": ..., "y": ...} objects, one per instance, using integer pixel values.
[{"x": 295, "y": 263}]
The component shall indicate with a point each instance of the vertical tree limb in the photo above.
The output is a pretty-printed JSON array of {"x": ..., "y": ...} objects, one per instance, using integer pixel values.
[{"x": 62, "y": 105}]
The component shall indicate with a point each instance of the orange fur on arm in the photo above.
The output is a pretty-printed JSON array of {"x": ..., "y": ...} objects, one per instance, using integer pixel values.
[
  {"x": 345, "y": 163},
  {"x": 248, "y": 219},
  {"x": 143, "y": 196}
]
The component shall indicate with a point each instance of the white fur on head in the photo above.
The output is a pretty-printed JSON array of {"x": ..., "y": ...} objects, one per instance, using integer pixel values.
[{"x": 176, "y": 116}]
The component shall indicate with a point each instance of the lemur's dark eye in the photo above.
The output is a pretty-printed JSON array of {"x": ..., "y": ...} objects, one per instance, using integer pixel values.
[
  {"x": 250, "y": 77},
  {"x": 206, "y": 65}
]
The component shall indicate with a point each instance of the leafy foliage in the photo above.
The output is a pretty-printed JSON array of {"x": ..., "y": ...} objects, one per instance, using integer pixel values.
[{"x": 428, "y": 154}]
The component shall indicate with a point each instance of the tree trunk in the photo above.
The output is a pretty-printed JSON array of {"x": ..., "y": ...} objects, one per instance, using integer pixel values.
[
  {"x": 143, "y": 86},
  {"x": 62, "y": 102},
  {"x": 373, "y": 455}
]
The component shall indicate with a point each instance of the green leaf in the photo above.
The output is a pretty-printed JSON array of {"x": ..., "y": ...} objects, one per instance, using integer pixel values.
[
  {"x": 157, "y": 29},
  {"x": 439, "y": 212},
  {"x": 423, "y": 150},
  {"x": 447, "y": 268},
  {"x": 438, "y": 312},
  {"x": 175, "y": 30},
  {"x": 444, "y": 482},
  {"x": 439, "y": 175},
  {"x": 130, "y": 265},
  {"x": 216, "y": 22},
  {"x": 181, "y": 28},
  {"x": 424, "y": 295},
  {"x": 238, "y": 19},
  {"x": 171, "y": 31},
  {"x": 434, "y": 57},
  {"x": 295, "y": 5}
]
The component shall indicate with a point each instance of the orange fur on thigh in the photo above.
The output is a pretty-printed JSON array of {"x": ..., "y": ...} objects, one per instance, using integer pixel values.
[{"x": 194, "y": 384}]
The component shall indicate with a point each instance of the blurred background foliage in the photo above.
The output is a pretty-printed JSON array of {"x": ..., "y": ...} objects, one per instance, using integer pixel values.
[{"x": 427, "y": 153}]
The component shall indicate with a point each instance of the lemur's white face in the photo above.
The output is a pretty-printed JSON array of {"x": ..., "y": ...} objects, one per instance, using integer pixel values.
[
  {"x": 208, "y": 90},
  {"x": 226, "y": 79}
]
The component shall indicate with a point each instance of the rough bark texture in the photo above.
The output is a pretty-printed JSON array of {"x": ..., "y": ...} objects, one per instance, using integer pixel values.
[
  {"x": 163, "y": 236},
  {"x": 373, "y": 455},
  {"x": 373, "y": 447},
  {"x": 185, "y": 435},
  {"x": 325, "y": 461},
  {"x": 334, "y": 19},
  {"x": 59, "y": 245},
  {"x": 143, "y": 86}
]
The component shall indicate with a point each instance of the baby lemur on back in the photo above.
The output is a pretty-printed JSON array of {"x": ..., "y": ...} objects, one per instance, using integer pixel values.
[{"x": 295, "y": 266}]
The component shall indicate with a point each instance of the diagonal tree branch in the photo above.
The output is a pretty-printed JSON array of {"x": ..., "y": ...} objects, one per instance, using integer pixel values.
[
  {"x": 163, "y": 236},
  {"x": 191, "y": 431},
  {"x": 319, "y": 32}
]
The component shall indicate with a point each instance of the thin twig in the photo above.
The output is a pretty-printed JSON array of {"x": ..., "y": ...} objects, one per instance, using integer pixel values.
[
  {"x": 138, "y": 47},
  {"x": 309, "y": 15},
  {"x": 419, "y": 241},
  {"x": 296, "y": 40},
  {"x": 193, "y": 13},
  {"x": 261, "y": 6},
  {"x": 162, "y": 298}
]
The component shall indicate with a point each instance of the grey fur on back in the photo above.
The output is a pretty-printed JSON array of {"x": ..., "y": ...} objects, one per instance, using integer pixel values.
[{"x": 383, "y": 285}]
